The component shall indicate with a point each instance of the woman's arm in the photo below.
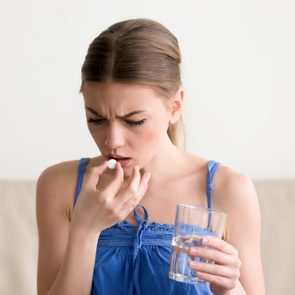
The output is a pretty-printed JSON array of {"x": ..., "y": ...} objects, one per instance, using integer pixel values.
[
  {"x": 66, "y": 258},
  {"x": 244, "y": 229},
  {"x": 237, "y": 269}
]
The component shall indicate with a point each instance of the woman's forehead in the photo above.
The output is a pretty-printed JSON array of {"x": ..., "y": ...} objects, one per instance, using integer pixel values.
[
  {"x": 120, "y": 95},
  {"x": 115, "y": 88}
]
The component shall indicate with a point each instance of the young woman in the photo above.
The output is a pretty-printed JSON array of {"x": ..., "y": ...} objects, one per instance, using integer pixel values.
[{"x": 105, "y": 231}]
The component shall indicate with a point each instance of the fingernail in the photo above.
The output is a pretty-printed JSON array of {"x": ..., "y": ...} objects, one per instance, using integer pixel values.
[
  {"x": 194, "y": 251},
  {"x": 193, "y": 264},
  {"x": 148, "y": 176},
  {"x": 205, "y": 240}
]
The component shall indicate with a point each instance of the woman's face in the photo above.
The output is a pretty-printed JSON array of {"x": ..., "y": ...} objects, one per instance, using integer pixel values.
[{"x": 128, "y": 122}]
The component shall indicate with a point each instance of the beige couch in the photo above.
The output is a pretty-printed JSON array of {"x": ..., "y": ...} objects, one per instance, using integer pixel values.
[{"x": 18, "y": 244}]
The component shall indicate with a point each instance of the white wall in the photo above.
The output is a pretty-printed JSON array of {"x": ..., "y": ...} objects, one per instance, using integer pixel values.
[{"x": 238, "y": 71}]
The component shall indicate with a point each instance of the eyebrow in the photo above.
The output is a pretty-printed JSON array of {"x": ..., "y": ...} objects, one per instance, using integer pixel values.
[{"x": 124, "y": 117}]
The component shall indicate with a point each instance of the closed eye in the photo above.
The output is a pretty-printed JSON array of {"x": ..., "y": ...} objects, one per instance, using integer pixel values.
[
  {"x": 130, "y": 123},
  {"x": 134, "y": 123},
  {"x": 96, "y": 121}
]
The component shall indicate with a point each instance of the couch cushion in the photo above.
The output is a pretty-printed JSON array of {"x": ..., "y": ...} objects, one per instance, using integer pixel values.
[
  {"x": 277, "y": 205},
  {"x": 18, "y": 234}
]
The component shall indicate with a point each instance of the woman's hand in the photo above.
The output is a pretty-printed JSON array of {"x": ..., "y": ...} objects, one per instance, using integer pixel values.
[
  {"x": 224, "y": 273},
  {"x": 100, "y": 207}
]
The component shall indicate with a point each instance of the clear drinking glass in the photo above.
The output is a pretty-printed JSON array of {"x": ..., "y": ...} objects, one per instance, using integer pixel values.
[{"x": 191, "y": 224}]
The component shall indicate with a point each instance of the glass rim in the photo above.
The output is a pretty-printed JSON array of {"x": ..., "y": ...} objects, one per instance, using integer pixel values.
[{"x": 201, "y": 209}]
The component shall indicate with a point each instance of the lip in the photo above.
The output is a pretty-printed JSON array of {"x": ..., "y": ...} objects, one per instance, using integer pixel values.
[
  {"x": 124, "y": 161},
  {"x": 117, "y": 156}
]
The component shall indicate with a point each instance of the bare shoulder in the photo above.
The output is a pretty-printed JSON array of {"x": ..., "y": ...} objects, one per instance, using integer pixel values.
[
  {"x": 57, "y": 184},
  {"x": 59, "y": 171},
  {"x": 229, "y": 185},
  {"x": 232, "y": 186},
  {"x": 235, "y": 194}
]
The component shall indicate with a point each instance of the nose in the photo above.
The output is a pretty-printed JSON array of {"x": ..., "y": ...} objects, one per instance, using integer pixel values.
[{"x": 114, "y": 137}]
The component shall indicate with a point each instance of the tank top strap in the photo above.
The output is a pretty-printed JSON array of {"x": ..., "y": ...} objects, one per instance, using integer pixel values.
[
  {"x": 212, "y": 168},
  {"x": 81, "y": 170}
]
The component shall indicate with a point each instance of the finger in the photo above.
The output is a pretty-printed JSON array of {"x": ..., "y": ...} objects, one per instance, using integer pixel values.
[
  {"x": 143, "y": 184},
  {"x": 142, "y": 187},
  {"x": 115, "y": 185},
  {"x": 212, "y": 255},
  {"x": 220, "y": 281},
  {"x": 131, "y": 191},
  {"x": 218, "y": 244},
  {"x": 130, "y": 204},
  {"x": 92, "y": 176},
  {"x": 133, "y": 201},
  {"x": 215, "y": 269},
  {"x": 134, "y": 181}
]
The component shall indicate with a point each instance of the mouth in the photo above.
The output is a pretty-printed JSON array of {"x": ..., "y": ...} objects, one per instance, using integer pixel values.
[{"x": 124, "y": 161}]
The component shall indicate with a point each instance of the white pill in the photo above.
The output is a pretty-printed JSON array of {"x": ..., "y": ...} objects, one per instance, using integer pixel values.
[{"x": 112, "y": 163}]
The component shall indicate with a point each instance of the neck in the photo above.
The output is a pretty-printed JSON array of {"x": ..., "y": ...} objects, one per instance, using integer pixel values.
[{"x": 165, "y": 164}]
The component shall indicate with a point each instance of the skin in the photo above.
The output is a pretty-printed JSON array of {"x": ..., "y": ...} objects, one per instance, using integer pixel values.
[{"x": 67, "y": 237}]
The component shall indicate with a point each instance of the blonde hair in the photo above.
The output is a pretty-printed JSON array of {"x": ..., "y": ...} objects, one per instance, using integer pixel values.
[{"x": 140, "y": 51}]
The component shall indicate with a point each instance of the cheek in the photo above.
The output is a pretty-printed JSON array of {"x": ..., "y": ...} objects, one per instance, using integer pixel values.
[
  {"x": 97, "y": 136},
  {"x": 151, "y": 139},
  {"x": 158, "y": 131},
  {"x": 155, "y": 136}
]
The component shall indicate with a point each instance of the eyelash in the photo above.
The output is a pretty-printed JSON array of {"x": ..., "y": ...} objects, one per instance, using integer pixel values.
[{"x": 130, "y": 123}]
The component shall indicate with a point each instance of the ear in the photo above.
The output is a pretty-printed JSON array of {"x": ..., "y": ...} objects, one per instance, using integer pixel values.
[{"x": 176, "y": 103}]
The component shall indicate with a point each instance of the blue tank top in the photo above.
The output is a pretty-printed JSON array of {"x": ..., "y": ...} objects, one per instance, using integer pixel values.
[{"x": 134, "y": 259}]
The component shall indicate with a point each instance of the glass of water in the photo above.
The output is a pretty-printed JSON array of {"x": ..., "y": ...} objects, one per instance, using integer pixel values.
[{"x": 191, "y": 224}]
